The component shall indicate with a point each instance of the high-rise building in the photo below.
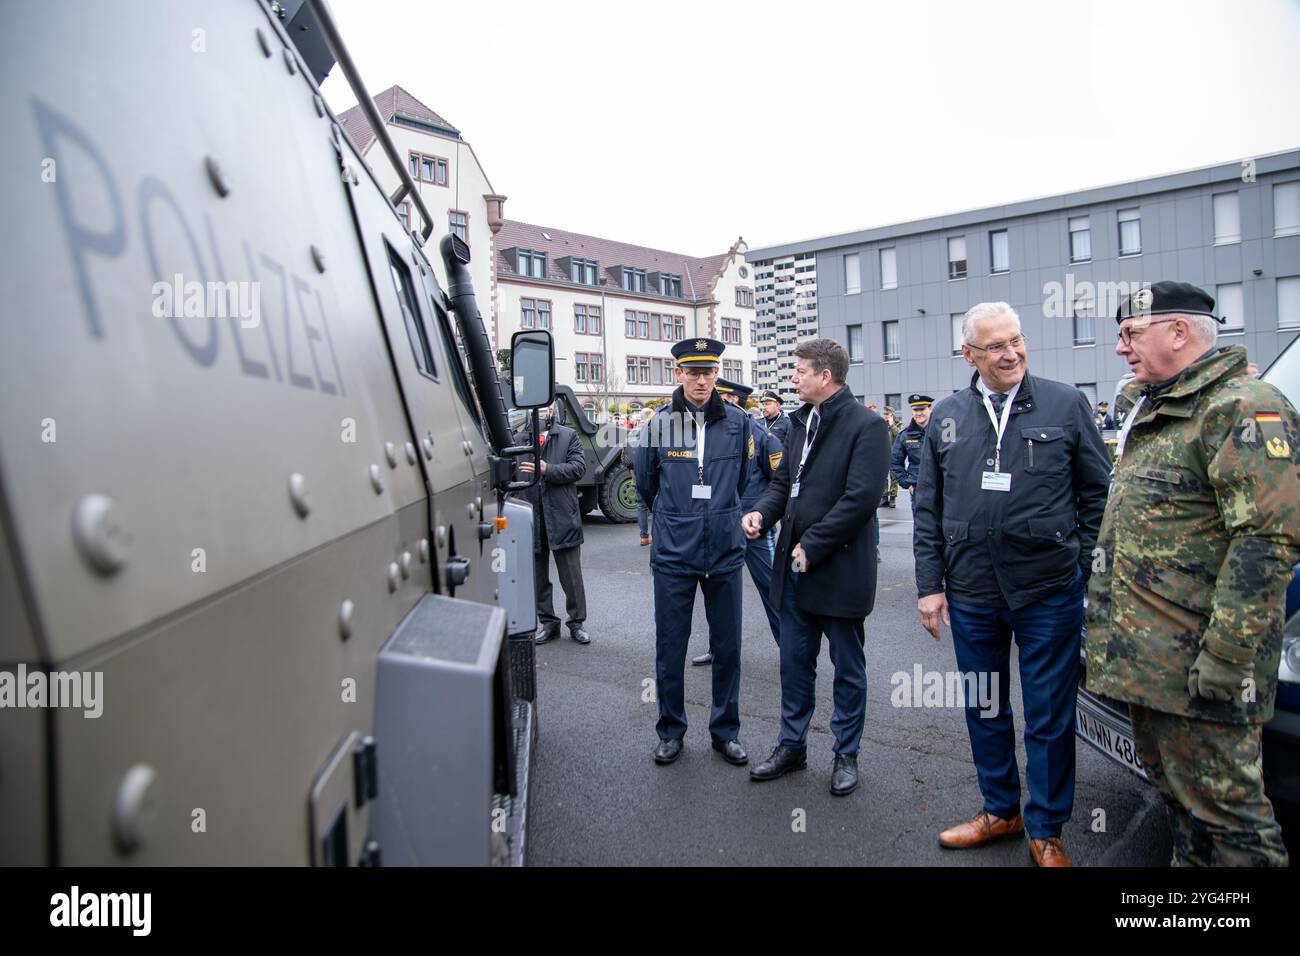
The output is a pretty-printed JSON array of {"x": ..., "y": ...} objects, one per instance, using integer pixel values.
[{"x": 786, "y": 311}]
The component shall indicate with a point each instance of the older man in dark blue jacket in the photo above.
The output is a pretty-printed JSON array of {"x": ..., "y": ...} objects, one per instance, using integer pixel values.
[
  {"x": 691, "y": 469},
  {"x": 825, "y": 494},
  {"x": 1009, "y": 499}
]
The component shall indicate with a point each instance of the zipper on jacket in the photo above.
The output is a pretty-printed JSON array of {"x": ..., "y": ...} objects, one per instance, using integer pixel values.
[{"x": 1031, "y": 454}]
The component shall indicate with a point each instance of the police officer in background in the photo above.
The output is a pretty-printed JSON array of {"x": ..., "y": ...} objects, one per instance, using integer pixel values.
[
  {"x": 906, "y": 455},
  {"x": 691, "y": 473},
  {"x": 778, "y": 423},
  {"x": 758, "y": 553},
  {"x": 1188, "y": 594},
  {"x": 1102, "y": 419}
]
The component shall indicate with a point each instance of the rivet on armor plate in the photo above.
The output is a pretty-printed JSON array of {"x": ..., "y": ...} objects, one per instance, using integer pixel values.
[
  {"x": 346, "y": 610},
  {"x": 394, "y": 576},
  {"x": 263, "y": 42},
  {"x": 100, "y": 536},
  {"x": 405, "y": 561},
  {"x": 134, "y": 807},
  {"x": 442, "y": 535},
  {"x": 410, "y": 453},
  {"x": 424, "y": 550},
  {"x": 290, "y": 62},
  {"x": 473, "y": 512},
  {"x": 427, "y": 445},
  {"x": 217, "y": 175},
  {"x": 390, "y": 452},
  {"x": 318, "y": 258},
  {"x": 376, "y": 480},
  {"x": 299, "y": 495}
]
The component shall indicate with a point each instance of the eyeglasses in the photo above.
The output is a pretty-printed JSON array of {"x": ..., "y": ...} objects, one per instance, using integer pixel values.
[
  {"x": 699, "y": 372},
  {"x": 997, "y": 348},
  {"x": 1127, "y": 334}
]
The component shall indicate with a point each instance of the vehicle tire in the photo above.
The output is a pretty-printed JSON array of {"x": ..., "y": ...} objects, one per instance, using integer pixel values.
[
  {"x": 618, "y": 495},
  {"x": 588, "y": 499}
]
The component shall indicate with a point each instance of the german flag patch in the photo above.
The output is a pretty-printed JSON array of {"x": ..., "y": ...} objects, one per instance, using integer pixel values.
[{"x": 1271, "y": 430}]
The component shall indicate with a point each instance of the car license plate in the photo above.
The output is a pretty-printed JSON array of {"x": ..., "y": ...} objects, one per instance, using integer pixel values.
[{"x": 1108, "y": 736}]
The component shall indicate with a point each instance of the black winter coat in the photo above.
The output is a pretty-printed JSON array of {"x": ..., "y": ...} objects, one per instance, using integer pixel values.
[
  {"x": 834, "y": 517},
  {"x": 556, "y": 490},
  {"x": 995, "y": 548}
]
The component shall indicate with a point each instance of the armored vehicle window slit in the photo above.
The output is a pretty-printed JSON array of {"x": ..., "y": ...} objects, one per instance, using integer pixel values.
[
  {"x": 460, "y": 374},
  {"x": 415, "y": 328}
]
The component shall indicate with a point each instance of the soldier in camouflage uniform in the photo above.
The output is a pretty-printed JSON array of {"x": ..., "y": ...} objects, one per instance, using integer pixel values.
[
  {"x": 895, "y": 426},
  {"x": 1186, "y": 599}
]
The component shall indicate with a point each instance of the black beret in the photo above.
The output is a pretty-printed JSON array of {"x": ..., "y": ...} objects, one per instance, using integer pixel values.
[{"x": 1164, "y": 298}]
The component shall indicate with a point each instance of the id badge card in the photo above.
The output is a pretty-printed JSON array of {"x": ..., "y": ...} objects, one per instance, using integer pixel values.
[
  {"x": 996, "y": 481},
  {"x": 702, "y": 491},
  {"x": 794, "y": 490}
]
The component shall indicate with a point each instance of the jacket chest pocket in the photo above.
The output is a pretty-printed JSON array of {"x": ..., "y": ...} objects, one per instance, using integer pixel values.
[{"x": 1046, "y": 452}]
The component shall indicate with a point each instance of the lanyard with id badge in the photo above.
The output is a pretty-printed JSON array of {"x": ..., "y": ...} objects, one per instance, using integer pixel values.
[
  {"x": 809, "y": 436},
  {"x": 997, "y": 480},
  {"x": 701, "y": 490}
]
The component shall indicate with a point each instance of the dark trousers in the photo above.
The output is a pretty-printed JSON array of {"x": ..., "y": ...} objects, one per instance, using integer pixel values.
[
  {"x": 800, "y": 643},
  {"x": 568, "y": 562},
  {"x": 674, "y": 609},
  {"x": 643, "y": 518},
  {"x": 1047, "y": 635},
  {"x": 758, "y": 558}
]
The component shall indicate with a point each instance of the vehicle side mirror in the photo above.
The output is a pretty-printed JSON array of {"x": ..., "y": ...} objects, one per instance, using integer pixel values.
[{"x": 532, "y": 369}]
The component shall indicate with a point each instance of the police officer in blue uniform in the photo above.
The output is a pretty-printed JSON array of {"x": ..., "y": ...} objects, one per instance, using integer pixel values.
[
  {"x": 905, "y": 458},
  {"x": 758, "y": 553},
  {"x": 691, "y": 472}
]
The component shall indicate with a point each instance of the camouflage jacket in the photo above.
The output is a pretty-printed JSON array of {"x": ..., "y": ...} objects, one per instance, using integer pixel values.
[{"x": 1201, "y": 530}]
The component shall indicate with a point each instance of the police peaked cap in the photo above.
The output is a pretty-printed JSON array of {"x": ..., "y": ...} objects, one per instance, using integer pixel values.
[
  {"x": 701, "y": 353},
  {"x": 735, "y": 388}
]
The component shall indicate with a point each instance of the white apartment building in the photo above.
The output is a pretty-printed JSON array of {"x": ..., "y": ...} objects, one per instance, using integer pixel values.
[
  {"x": 616, "y": 309},
  {"x": 786, "y": 313},
  {"x": 447, "y": 174}
]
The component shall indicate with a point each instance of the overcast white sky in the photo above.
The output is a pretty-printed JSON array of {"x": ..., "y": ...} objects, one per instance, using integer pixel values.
[{"x": 681, "y": 125}]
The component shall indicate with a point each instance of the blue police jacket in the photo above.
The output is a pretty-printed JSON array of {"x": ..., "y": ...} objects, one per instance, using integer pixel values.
[
  {"x": 695, "y": 536},
  {"x": 906, "y": 456},
  {"x": 767, "y": 456}
]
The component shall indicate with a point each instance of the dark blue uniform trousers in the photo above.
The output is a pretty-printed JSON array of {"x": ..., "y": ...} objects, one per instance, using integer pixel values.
[
  {"x": 1047, "y": 635},
  {"x": 674, "y": 609},
  {"x": 800, "y": 643},
  {"x": 758, "y": 558}
]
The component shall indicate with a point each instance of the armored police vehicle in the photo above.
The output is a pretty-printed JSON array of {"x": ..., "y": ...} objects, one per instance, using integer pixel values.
[{"x": 258, "y": 576}]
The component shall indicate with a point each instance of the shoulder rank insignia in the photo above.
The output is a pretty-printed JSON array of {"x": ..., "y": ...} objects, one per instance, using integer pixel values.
[
  {"x": 751, "y": 446},
  {"x": 774, "y": 460},
  {"x": 1270, "y": 427}
]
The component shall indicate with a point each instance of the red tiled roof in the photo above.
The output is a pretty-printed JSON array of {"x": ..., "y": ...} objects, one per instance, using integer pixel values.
[
  {"x": 698, "y": 275},
  {"x": 392, "y": 102}
]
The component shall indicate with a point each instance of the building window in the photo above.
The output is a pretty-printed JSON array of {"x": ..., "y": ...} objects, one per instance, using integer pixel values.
[
  {"x": 1286, "y": 209},
  {"x": 889, "y": 268},
  {"x": 633, "y": 279},
  {"x": 404, "y": 214},
  {"x": 597, "y": 368},
  {"x": 670, "y": 285},
  {"x": 583, "y": 271},
  {"x": 645, "y": 371},
  {"x": 1089, "y": 389},
  {"x": 631, "y": 369},
  {"x": 1080, "y": 239},
  {"x": 957, "y": 318},
  {"x": 629, "y": 324},
  {"x": 586, "y": 319},
  {"x": 1231, "y": 305},
  {"x": 527, "y": 313},
  {"x": 679, "y": 328},
  {"x": 852, "y": 273},
  {"x": 1085, "y": 326},
  {"x": 530, "y": 264},
  {"x": 642, "y": 325},
  {"x": 855, "y": 343},
  {"x": 1130, "y": 232},
  {"x": 428, "y": 169},
  {"x": 543, "y": 314},
  {"x": 731, "y": 331},
  {"x": 1227, "y": 219},
  {"x": 1288, "y": 303},
  {"x": 895, "y": 401},
  {"x": 890, "y": 330},
  {"x": 957, "y": 257},
  {"x": 580, "y": 367},
  {"x": 999, "y": 251},
  {"x": 733, "y": 371},
  {"x": 459, "y": 224},
  {"x": 745, "y": 298}
]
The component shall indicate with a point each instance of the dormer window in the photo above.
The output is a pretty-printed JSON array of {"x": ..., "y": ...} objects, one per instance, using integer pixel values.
[
  {"x": 583, "y": 271},
  {"x": 633, "y": 280},
  {"x": 670, "y": 285},
  {"x": 531, "y": 264}
]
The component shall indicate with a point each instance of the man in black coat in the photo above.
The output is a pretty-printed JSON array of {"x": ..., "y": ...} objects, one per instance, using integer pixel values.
[
  {"x": 557, "y": 527},
  {"x": 825, "y": 494}
]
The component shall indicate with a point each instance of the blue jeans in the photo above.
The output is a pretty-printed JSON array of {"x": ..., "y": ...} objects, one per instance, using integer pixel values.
[
  {"x": 800, "y": 643},
  {"x": 1047, "y": 634}
]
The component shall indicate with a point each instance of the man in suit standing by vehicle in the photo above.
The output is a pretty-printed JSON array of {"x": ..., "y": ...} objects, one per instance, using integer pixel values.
[
  {"x": 557, "y": 521},
  {"x": 825, "y": 494}
]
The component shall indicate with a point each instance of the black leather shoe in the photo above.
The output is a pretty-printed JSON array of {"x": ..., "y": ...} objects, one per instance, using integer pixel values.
[
  {"x": 782, "y": 761},
  {"x": 844, "y": 776},
  {"x": 705, "y": 658},
  {"x": 668, "y": 750},
  {"x": 579, "y": 635},
  {"x": 545, "y": 634},
  {"x": 732, "y": 751}
]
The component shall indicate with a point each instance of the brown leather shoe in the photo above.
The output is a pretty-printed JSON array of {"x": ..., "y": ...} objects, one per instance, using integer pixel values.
[
  {"x": 1049, "y": 852},
  {"x": 984, "y": 827},
  {"x": 645, "y": 540}
]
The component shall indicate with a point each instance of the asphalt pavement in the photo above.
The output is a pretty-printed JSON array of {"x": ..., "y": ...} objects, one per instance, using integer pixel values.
[{"x": 599, "y": 798}]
